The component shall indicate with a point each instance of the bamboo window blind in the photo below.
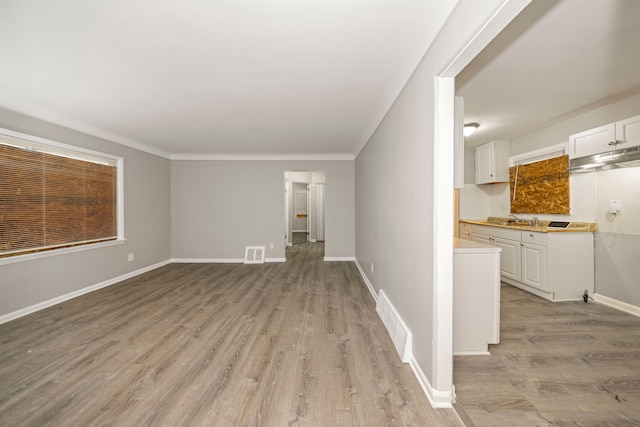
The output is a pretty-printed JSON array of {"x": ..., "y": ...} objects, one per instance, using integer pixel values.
[{"x": 49, "y": 201}]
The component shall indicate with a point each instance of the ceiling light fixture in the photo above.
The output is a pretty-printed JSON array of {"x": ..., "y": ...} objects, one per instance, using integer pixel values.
[{"x": 470, "y": 128}]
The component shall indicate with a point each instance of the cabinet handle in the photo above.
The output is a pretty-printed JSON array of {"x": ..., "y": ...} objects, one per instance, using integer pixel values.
[
  {"x": 531, "y": 235},
  {"x": 616, "y": 142},
  {"x": 613, "y": 142}
]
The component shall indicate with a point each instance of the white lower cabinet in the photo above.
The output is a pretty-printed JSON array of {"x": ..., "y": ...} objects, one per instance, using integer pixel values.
[
  {"x": 509, "y": 257},
  {"x": 554, "y": 265},
  {"x": 534, "y": 266}
]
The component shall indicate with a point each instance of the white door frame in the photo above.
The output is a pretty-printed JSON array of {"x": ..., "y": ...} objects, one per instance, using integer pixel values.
[
  {"x": 320, "y": 212},
  {"x": 443, "y": 187}
]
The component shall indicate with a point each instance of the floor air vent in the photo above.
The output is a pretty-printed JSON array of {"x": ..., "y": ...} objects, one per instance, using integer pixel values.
[
  {"x": 400, "y": 334},
  {"x": 254, "y": 255}
]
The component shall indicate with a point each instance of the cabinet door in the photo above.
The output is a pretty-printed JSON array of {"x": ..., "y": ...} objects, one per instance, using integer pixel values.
[
  {"x": 628, "y": 132},
  {"x": 509, "y": 258},
  {"x": 592, "y": 141},
  {"x": 485, "y": 164},
  {"x": 534, "y": 265},
  {"x": 482, "y": 238}
]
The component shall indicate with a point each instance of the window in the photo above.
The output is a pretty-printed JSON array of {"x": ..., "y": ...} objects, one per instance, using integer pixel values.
[{"x": 55, "y": 196}]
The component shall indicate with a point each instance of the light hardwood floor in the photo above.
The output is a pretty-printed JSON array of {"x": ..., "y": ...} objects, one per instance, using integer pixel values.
[
  {"x": 558, "y": 364},
  {"x": 295, "y": 343}
]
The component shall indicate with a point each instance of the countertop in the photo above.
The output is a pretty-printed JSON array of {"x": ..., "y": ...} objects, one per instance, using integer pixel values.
[
  {"x": 574, "y": 227},
  {"x": 469, "y": 246}
]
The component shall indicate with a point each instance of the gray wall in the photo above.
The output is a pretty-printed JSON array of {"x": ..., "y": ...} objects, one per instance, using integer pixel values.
[
  {"x": 395, "y": 195},
  {"x": 147, "y": 225},
  {"x": 219, "y": 207}
]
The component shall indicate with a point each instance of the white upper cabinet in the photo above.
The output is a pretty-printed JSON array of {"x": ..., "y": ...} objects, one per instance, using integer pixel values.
[
  {"x": 614, "y": 136},
  {"x": 492, "y": 162},
  {"x": 628, "y": 132}
]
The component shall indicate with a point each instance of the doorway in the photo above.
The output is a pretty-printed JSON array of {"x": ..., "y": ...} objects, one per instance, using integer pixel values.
[{"x": 304, "y": 207}]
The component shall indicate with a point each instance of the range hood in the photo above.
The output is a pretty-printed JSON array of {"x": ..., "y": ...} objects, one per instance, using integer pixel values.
[{"x": 624, "y": 158}]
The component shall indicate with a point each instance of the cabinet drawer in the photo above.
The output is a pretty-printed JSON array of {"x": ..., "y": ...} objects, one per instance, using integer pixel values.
[
  {"x": 534, "y": 237},
  {"x": 465, "y": 227},
  {"x": 506, "y": 233}
]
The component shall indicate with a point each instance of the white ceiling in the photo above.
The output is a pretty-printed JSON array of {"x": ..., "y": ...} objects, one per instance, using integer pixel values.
[
  {"x": 285, "y": 78},
  {"x": 557, "y": 59},
  {"x": 294, "y": 78}
]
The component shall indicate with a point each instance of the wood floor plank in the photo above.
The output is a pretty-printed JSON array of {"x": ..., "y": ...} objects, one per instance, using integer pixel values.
[
  {"x": 296, "y": 343},
  {"x": 563, "y": 363}
]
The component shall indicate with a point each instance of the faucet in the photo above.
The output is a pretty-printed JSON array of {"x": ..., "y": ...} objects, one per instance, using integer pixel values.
[
  {"x": 534, "y": 221},
  {"x": 514, "y": 217}
]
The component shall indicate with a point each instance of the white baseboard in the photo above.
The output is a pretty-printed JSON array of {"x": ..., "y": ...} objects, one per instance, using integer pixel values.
[
  {"x": 549, "y": 296},
  {"x": 366, "y": 281},
  {"x": 614, "y": 303},
  {"x": 339, "y": 258},
  {"x": 471, "y": 353},
  {"x": 208, "y": 260},
  {"x": 220, "y": 260},
  {"x": 438, "y": 399},
  {"x": 62, "y": 298}
]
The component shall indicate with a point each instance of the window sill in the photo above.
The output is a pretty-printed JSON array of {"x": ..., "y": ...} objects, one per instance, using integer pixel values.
[{"x": 62, "y": 251}]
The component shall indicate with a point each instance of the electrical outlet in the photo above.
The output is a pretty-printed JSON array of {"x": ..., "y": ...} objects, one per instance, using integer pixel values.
[
  {"x": 131, "y": 257},
  {"x": 371, "y": 268},
  {"x": 615, "y": 206},
  {"x": 271, "y": 246}
]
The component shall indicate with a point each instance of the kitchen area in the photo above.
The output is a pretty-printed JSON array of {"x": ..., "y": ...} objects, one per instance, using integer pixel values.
[
  {"x": 563, "y": 218},
  {"x": 549, "y": 182}
]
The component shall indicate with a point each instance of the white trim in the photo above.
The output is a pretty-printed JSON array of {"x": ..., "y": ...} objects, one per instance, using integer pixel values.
[
  {"x": 339, "y": 258},
  {"x": 35, "y": 142},
  {"x": 299, "y": 231},
  {"x": 471, "y": 353},
  {"x": 441, "y": 368},
  {"x": 619, "y": 305},
  {"x": 313, "y": 241},
  {"x": 442, "y": 278},
  {"x": 208, "y": 260},
  {"x": 263, "y": 157},
  {"x": 438, "y": 399},
  {"x": 220, "y": 260},
  {"x": 366, "y": 281},
  {"x": 62, "y": 298},
  {"x": 549, "y": 296},
  {"x": 540, "y": 154},
  {"x": 503, "y": 16},
  {"x": 61, "y": 251},
  {"x": 84, "y": 128}
]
